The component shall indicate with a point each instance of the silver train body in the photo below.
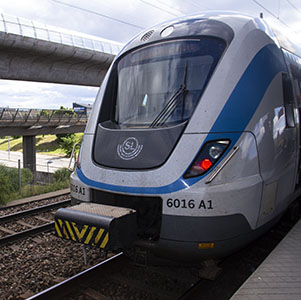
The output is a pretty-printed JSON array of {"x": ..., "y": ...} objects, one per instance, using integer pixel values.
[{"x": 196, "y": 127}]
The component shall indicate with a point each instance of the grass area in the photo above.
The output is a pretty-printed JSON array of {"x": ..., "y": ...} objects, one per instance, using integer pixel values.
[
  {"x": 45, "y": 144},
  {"x": 48, "y": 144},
  {"x": 33, "y": 190},
  {"x": 15, "y": 144},
  {"x": 10, "y": 185}
]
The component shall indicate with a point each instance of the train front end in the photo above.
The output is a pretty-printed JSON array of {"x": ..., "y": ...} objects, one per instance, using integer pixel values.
[{"x": 166, "y": 150}]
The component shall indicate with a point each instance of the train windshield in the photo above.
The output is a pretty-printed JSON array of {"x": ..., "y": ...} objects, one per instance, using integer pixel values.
[{"x": 160, "y": 85}]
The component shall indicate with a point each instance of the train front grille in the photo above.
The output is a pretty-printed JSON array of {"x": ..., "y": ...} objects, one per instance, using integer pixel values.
[{"x": 148, "y": 210}]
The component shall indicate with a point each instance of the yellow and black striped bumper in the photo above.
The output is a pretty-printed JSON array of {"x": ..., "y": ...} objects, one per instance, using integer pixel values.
[
  {"x": 89, "y": 235},
  {"x": 97, "y": 225}
]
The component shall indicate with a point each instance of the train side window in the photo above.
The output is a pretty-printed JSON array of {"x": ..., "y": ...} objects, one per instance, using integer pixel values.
[{"x": 288, "y": 97}]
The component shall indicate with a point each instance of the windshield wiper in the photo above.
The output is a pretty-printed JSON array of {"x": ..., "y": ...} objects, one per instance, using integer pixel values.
[{"x": 171, "y": 104}]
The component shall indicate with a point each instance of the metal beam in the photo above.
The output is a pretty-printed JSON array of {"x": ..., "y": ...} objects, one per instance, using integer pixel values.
[{"x": 27, "y": 131}]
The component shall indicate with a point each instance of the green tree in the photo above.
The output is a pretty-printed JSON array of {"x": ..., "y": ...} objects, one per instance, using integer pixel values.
[
  {"x": 61, "y": 175},
  {"x": 60, "y": 136},
  {"x": 63, "y": 111},
  {"x": 67, "y": 144},
  {"x": 45, "y": 113}
]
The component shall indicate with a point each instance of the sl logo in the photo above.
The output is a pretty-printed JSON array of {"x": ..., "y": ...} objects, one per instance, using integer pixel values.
[{"x": 129, "y": 149}]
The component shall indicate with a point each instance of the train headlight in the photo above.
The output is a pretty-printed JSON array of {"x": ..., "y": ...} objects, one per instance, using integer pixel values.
[
  {"x": 215, "y": 151},
  {"x": 208, "y": 156}
]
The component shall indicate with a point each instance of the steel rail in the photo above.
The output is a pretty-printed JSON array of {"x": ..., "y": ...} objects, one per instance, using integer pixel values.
[
  {"x": 67, "y": 286},
  {"x": 191, "y": 293},
  {"x": 23, "y": 234},
  {"x": 34, "y": 199},
  {"x": 31, "y": 211}
]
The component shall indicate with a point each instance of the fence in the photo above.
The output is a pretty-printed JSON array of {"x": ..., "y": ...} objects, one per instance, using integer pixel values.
[{"x": 40, "y": 117}]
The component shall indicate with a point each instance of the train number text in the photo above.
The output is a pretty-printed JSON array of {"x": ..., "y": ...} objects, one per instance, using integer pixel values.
[
  {"x": 190, "y": 204},
  {"x": 77, "y": 189}
]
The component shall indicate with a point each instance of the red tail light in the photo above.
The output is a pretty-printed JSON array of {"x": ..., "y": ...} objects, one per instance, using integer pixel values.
[
  {"x": 206, "y": 164},
  {"x": 208, "y": 156}
]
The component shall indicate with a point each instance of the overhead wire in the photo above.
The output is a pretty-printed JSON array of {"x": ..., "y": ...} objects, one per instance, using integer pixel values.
[
  {"x": 163, "y": 2},
  {"x": 271, "y": 13},
  {"x": 195, "y": 4},
  {"x": 294, "y": 6},
  {"x": 279, "y": 4},
  {"x": 158, "y": 7},
  {"x": 262, "y": 6},
  {"x": 189, "y": 2},
  {"x": 98, "y": 14},
  {"x": 169, "y": 12}
]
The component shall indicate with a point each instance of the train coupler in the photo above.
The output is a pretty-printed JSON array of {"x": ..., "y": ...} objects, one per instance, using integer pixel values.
[{"x": 103, "y": 226}]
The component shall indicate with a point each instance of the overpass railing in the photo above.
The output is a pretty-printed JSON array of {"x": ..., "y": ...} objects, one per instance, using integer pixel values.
[{"x": 40, "y": 117}]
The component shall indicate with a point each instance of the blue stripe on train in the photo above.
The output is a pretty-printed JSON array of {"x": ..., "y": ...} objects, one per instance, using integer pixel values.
[{"x": 234, "y": 117}]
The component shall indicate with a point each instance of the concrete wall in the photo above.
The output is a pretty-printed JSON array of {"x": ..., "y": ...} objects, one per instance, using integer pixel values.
[{"x": 43, "y": 177}]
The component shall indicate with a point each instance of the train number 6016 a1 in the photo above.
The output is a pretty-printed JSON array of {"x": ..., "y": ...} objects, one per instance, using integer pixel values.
[{"x": 190, "y": 204}]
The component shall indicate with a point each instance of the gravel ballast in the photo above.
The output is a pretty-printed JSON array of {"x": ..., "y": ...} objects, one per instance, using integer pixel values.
[{"x": 32, "y": 265}]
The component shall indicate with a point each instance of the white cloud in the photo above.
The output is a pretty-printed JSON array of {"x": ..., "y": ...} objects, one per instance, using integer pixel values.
[
  {"x": 136, "y": 12},
  {"x": 17, "y": 94}
]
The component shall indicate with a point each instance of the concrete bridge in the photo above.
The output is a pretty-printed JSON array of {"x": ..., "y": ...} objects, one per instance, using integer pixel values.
[
  {"x": 31, "y": 122},
  {"x": 38, "y": 52},
  {"x": 32, "y": 51}
]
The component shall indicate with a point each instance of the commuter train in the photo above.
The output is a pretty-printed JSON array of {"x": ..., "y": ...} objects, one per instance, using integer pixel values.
[{"x": 192, "y": 147}]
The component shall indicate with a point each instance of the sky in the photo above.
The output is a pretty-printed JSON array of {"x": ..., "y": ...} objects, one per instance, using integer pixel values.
[{"x": 117, "y": 20}]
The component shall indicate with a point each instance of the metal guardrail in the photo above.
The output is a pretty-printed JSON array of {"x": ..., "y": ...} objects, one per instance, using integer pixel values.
[
  {"x": 32, "y": 29},
  {"x": 40, "y": 117}
]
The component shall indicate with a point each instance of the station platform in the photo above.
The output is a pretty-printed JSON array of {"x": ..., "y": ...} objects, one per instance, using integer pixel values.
[{"x": 279, "y": 276}]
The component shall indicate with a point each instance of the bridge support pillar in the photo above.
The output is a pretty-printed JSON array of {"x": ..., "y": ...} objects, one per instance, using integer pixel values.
[{"x": 29, "y": 153}]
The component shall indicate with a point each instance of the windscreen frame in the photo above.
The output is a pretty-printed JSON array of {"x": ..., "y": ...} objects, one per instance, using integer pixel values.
[{"x": 107, "y": 111}]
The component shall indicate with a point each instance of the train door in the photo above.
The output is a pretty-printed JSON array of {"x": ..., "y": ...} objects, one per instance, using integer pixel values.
[
  {"x": 279, "y": 149},
  {"x": 291, "y": 94},
  {"x": 296, "y": 85}
]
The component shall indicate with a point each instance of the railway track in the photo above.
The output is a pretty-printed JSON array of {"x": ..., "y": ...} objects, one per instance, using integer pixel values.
[
  {"x": 48, "y": 261},
  {"x": 28, "y": 222},
  {"x": 119, "y": 278},
  {"x": 66, "y": 288}
]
